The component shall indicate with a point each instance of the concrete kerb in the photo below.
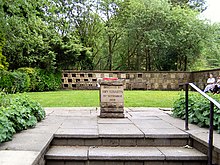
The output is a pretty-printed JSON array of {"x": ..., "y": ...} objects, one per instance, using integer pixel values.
[{"x": 32, "y": 144}]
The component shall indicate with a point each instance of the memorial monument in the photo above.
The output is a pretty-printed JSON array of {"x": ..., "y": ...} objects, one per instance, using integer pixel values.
[{"x": 111, "y": 98}]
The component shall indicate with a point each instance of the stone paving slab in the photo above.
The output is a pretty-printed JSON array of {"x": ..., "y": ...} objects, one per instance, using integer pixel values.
[
  {"x": 142, "y": 117},
  {"x": 200, "y": 134},
  {"x": 113, "y": 120},
  {"x": 164, "y": 133},
  {"x": 42, "y": 129},
  {"x": 182, "y": 153},
  {"x": 148, "y": 124},
  {"x": 80, "y": 123},
  {"x": 68, "y": 153},
  {"x": 28, "y": 142},
  {"x": 77, "y": 132},
  {"x": 41, "y": 137},
  {"x": 125, "y": 153},
  {"x": 119, "y": 130},
  {"x": 52, "y": 120},
  {"x": 17, "y": 157}
]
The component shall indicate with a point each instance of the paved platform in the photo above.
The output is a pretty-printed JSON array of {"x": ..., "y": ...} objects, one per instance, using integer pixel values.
[{"x": 27, "y": 147}]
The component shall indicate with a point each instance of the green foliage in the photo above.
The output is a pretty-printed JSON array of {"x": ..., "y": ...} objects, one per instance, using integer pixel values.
[
  {"x": 3, "y": 63},
  {"x": 159, "y": 36},
  {"x": 109, "y": 34},
  {"x": 199, "y": 5},
  {"x": 6, "y": 127},
  {"x": 47, "y": 81},
  {"x": 31, "y": 72},
  {"x": 71, "y": 54},
  {"x": 29, "y": 79},
  {"x": 17, "y": 112},
  {"x": 199, "y": 108},
  {"x": 12, "y": 82}
]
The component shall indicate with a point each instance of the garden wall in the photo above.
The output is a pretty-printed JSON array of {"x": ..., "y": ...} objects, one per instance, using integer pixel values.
[
  {"x": 136, "y": 80},
  {"x": 200, "y": 77},
  {"x": 132, "y": 80}
]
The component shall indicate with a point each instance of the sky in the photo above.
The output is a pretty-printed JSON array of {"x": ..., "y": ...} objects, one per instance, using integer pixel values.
[{"x": 213, "y": 11}]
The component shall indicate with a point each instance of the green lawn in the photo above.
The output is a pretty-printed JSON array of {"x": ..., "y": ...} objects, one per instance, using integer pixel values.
[{"x": 90, "y": 98}]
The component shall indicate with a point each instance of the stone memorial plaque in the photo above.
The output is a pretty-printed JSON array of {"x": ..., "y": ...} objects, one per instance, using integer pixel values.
[{"x": 112, "y": 94}]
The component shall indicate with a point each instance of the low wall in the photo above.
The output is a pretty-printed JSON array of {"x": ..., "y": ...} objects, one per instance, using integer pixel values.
[
  {"x": 132, "y": 80},
  {"x": 136, "y": 80},
  {"x": 200, "y": 77}
]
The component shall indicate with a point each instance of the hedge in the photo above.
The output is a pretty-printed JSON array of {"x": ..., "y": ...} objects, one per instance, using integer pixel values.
[{"x": 29, "y": 79}]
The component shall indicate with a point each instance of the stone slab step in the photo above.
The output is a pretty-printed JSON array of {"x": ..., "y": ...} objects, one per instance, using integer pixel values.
[
  {"x": 84, "y": 153},
  {"x": 120, "y": 131},
  {"x": 126, "y": 142}
]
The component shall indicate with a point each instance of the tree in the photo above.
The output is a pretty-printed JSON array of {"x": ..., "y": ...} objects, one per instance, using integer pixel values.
[
  {"x": 199, "y": 5},
  {"x": 210, "y": 53},
  {"x": 158, "y": 38},
  {"x": 106, "y": 34},
  {"x": 27, "y": 36},
  {"x": 74, "y": 22},
  {"x": 114, "y": 14}
]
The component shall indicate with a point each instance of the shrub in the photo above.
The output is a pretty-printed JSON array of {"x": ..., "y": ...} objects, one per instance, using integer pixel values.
[
  {"x": 29, "y": 79},
  {"x": 199, "y": 110},
  {"x": 17, "y": 112},
  {"x": 12, "y": 82},
  {"x": 21, "y": 81},
  {"x": 31, "y": 72},
  {"x": 42, "y": 80},
  {"x": 5, "y": 81},
  {"x": 6, "y": 127},
  {"x": 48, "y": 81}
]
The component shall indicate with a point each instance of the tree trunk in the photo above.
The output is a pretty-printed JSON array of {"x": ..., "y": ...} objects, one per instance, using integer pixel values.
[
  {"x": 185, "y": 63},
  {"x": 137, "y": 67},
  {"x": 149, "y": 60},
  {"x": 110, "y": 52}
]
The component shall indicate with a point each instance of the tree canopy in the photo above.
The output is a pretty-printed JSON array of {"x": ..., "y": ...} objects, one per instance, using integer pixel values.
[{"x": 107, "y": 34}]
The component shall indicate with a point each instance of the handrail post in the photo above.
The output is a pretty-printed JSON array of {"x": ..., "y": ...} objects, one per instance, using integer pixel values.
[
  {"x": 211, "y": 134},
  {"x": 187, "y": 108}
]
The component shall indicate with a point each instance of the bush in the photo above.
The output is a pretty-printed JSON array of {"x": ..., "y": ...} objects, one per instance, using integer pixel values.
[
  {"x": 6, "y": 127},
  {"x": 21, "y": 81},
  {"x": 5, "y": 81},
  {"x": 17, "y": 113},
  {"x": 48, "y": 81},
  {"x": 29, "y": 79},
  {"x": 199, "y": 110},
  {"x": 42, "y": 80},
  {"x": 31, "y": 72},
  {"x": 12, "y": 82}
]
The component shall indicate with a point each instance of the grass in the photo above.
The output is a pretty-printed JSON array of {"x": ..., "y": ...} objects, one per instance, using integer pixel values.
[{"x": 90, "y": 98}]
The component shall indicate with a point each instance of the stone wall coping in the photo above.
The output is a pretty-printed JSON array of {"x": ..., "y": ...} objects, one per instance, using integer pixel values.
[
  {"x": 115, "y": 71},
  {"x": 208, "y": 70},
  {"x": 112, "y": 83}
]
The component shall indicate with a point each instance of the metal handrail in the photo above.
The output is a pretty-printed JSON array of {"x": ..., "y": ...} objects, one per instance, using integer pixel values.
[{"x": 212, "y": 103}]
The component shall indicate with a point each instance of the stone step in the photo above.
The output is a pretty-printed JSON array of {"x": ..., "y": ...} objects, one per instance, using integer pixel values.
[
  {"x": 126, "y": 142},
  {"x": 124, "y": 155}
]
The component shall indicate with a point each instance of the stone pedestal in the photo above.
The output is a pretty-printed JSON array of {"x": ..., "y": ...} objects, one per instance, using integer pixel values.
[{"x": 112, "y": 99}]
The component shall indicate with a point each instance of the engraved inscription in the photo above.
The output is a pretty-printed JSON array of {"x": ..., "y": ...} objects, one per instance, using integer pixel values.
[{"x": 112, "y": 94}]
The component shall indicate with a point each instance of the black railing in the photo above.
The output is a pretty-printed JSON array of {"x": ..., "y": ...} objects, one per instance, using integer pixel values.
[{"x": 212, "y": 103}]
